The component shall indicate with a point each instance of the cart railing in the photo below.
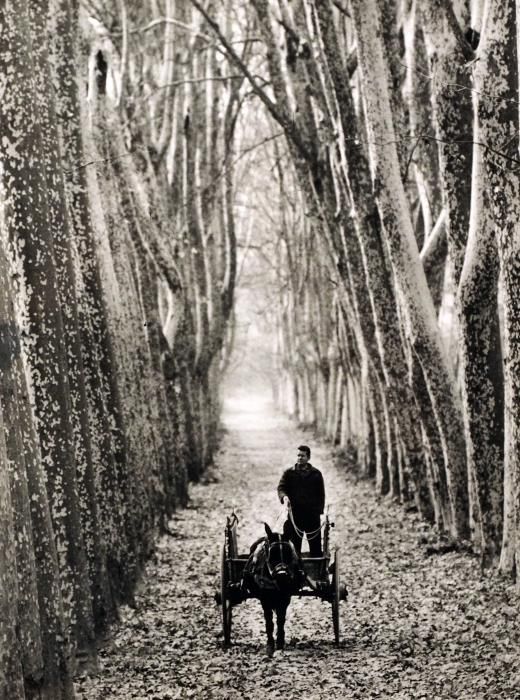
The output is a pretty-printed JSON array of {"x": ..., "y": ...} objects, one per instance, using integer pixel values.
[
  {"x": 315, "y": 567},
  {"x": 237, "y": 565},
  {"x": 231, "y": 535}
]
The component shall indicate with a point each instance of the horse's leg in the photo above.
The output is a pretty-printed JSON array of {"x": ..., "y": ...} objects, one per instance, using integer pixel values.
[
  {"x": 281, "y": 610},
  {"x": 269, "y": 626}
]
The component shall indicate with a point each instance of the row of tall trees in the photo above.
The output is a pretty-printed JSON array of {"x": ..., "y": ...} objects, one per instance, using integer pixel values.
[
  {"x": 117, "y": 268},
  {"x": 398, "y": 244}
]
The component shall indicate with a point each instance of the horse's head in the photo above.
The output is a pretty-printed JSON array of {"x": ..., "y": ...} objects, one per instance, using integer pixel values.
[{"x": 282, "y": 561}]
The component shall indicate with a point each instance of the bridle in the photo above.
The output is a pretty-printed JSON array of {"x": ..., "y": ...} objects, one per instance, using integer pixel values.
[{"x": 286, "y": 555}]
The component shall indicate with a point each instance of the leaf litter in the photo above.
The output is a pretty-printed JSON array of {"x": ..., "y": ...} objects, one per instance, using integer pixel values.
[{"x": 415, "y": 625}]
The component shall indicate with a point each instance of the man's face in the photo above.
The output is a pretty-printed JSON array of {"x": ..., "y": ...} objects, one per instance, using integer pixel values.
[{"x": 301, "y": 458}]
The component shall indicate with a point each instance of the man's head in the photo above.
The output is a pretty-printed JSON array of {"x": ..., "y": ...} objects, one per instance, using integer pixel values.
[{"x": 303, "y": 455}]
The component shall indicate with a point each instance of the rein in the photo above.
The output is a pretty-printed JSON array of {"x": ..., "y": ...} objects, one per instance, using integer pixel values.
[
  {"x": 310, "y": 535},
  {"x": 285, "y": 565}
]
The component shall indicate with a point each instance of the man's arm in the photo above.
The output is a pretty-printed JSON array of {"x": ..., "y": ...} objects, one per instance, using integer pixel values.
[
  {"x": 283, "y": 486},
  {"x": 321, "y": 492}
]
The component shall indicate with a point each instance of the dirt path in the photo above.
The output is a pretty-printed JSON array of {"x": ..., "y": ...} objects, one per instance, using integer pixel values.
[{"x": 414, "y": 626}]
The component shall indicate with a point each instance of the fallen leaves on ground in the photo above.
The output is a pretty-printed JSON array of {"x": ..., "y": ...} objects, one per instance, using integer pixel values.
[{"x": 415, "y": 625}]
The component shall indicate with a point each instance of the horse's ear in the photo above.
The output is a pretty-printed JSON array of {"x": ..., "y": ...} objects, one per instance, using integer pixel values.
[{"x": 268, "y": 530}]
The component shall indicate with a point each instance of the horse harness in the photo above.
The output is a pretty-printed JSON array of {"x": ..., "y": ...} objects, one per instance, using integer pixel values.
[
  {"x": 260, "y": 565},
  {"x": 284, "y": 549}
]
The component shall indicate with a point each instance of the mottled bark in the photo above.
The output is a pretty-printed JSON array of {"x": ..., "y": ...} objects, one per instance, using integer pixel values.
[
  {"x": 107, "y": 432},
  {"x": 61, "y": 232},
  {"x": 423, "y": 153},
  {"x": 132, "y": 260},
  {"x": 45, "y": 645},
  {"x": 405, "y": 260},
  {"x": 172, "y": 471},
  {"x": 11, "y": 673},
  {"x": 481, "y": 365},
  {"x": 37, "y": 292},
  {"x": 433, "y": 448},
  {"x": 394, "y": 48},
  {"x": 498, "y": 125},
  {"x": 453, "y": 122},
  {"x": 10, "y": 364},
  {"x": 138, "y": 473},
  {"x": 120, "y": 392}
]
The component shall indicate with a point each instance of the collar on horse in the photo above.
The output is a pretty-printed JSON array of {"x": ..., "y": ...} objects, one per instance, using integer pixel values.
[{"x": 261, "y": 567}]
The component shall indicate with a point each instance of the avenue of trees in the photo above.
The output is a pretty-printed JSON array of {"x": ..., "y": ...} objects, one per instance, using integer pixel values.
[{"x": 362, "y": 156}]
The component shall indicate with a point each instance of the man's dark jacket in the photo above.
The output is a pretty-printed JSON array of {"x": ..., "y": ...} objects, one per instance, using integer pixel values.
[{"x": 305, "y": 489}]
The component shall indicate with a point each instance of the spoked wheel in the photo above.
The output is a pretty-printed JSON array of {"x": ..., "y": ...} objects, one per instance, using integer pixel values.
[
  {"x": 336, "y": 597},
  {"x": 225, "y": 599}
]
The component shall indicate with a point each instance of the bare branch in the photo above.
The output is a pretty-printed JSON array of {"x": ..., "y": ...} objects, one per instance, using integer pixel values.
[
  {"x": 248, "y": 246},
  {"x": 460, "y": 87},
  {"x": 124, "y": 52},
  {"x": 410, "y": 157},
  {"x": 191, "y": 81},
  {"x": 271, "y": 106},
  {"x": 433, "y": 237},
  {"x": 352, "y": 62},
  {"x": 340, "y": 7},
  {"x": 170, "y": 20},
  {"x": 498, "y": 153},
  {"x": 236, "y": 59},
  {"x": 105, "y": 160},
  {"x": 466, "y": 49}
]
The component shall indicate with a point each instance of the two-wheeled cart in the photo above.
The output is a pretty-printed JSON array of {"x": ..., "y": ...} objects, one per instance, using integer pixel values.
[{"x": 322, "y": 577}]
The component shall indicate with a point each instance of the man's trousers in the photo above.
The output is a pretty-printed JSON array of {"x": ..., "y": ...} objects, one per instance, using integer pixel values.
[{"x": 311, "y": 526}]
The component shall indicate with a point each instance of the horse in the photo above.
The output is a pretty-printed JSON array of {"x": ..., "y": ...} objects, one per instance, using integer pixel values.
[{"x": 274, "y": 573}]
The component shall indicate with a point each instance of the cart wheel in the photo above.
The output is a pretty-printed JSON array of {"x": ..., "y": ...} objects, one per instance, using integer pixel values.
[
  {"x": 224, "y": 598},
  {"x": 336, "y": 597}
]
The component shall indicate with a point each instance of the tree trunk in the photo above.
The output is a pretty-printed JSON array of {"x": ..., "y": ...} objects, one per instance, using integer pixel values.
[
  {"x": 481, "y": 363},
  {"x": 11, "y": 673},
  {"x": 498, "y": 125},
  {"x": 453, "y": 119},
  {"x": 32, "y": 251},
  {"x": 15, "y": 453}
]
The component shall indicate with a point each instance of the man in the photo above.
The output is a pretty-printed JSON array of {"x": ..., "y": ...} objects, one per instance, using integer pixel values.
[{"x": 301, "y": 488}]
